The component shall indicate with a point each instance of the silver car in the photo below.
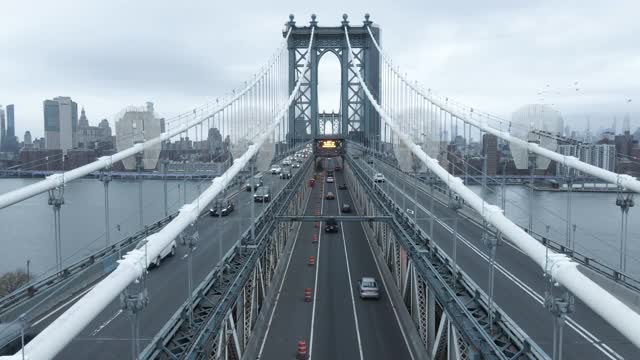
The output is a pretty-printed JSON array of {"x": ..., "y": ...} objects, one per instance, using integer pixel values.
[{"x": 368, "y": 288}]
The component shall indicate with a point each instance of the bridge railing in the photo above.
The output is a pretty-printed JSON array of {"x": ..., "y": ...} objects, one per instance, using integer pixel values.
[{"x": 21, "y": 300}]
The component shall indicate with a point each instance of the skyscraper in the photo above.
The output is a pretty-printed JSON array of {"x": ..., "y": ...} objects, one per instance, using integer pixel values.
[
  {"x": 27, "y": 139},
  {"x": 12, "y": 141},
  {"x": 60, "y": 123}
]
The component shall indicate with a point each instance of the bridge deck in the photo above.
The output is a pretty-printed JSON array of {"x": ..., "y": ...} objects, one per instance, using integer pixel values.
[
  {"x": 519, "y": 285},
  {"x": 336, "y": 324},
  {"x": 109, "y": 335}
]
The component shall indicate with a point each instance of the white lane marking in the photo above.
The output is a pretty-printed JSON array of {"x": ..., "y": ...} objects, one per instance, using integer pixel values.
[
  {"x": 286, "y": 271},
  {"x": 590, "y": 337},
  {"x": 61, "y": 306},
  {"x": 315, "y": 290},
  {"x": 353, "y": 299},
  {"x": 97, "y": 330},
  {"x": 384, "y": 283}
]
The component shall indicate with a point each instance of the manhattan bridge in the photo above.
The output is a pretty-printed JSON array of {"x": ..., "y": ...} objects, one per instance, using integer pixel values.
[{"x": 456, "y": 278}]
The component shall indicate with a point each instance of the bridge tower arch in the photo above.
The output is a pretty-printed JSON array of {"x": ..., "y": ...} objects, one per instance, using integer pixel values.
[{"x": 358, "y": 120}]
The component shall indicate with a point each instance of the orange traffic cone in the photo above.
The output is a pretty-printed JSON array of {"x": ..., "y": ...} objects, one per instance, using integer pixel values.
[{"x": 302, "y": 350}]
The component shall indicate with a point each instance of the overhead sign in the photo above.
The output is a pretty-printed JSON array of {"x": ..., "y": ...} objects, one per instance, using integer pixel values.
[
  {"x": 329, "y": 147},
  {"x": 328, "y": 144}
]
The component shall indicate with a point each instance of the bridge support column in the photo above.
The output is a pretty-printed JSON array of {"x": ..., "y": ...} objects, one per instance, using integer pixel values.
[
  {"x": 190, "y": 241},
  {"x": 56, "y": 200},
  {"x": 454, "y": 204},
  {"x": 559, "y": 307},
  {"x": 134, "y": 299},
  {"x": 491, "y": 242},
  {"x": 105, "y": 177},
  {"x": 532, "y": 169},
  {"x": 165, "y": 166},
  {"x": 625, "y": 203},
  {"x": 140, "y": 168}
]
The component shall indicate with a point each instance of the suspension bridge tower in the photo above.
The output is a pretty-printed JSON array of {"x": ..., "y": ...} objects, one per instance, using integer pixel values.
[{"x": 358, "y": 120}]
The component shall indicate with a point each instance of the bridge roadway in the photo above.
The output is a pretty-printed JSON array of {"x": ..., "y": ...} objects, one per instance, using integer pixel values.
[
  {"x": 336, "y": 324},
  {"x": 519, "y": 286},
  {"x": 109, "y": 335}
]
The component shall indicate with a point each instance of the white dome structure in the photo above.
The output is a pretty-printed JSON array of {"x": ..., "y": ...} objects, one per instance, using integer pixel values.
[
  {"x": 526, "y": 122},
  {"x": 134, "y": 125}
]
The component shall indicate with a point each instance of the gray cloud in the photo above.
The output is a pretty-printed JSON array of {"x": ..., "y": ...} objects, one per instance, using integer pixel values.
[{"x": 496, "y": 55}]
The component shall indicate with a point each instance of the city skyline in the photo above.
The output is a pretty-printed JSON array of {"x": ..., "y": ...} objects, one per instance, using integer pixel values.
[{"x": 504, "y": 58}]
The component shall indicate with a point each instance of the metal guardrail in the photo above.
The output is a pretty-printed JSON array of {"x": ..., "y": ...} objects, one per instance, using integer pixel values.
[
  {"x": 217, "y": 293},
  {"x": 16, "y": 298},
  {"x": 597, "y": 266},
  {"x": 464, "y": 302}
]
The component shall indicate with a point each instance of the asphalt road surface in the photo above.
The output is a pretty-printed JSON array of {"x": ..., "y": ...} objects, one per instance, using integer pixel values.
[
  {"x": 109, "y": 336},
  {"x": 336, "y": 323},
  {"x": 519, "y": 285}
]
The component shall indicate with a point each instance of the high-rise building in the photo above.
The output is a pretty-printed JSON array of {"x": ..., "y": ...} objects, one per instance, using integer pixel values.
[
  {"x": 27, "y": 139},
  {"x": 83, "y": 121},
  {"x": 93, "y": 137},
  {"x": 11, "y": 142},
  {"x": 60, "y": 123},
  {"x": 490, "y": 150},
  {"x": 600, "y": 155},
  {"x": 135, "y": 125}
]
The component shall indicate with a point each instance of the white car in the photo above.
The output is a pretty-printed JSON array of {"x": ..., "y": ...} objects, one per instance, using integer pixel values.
[
  {"x": 368, "y": 288},
  {"x": 169, "y": 250},
  {"x": 276, "y": 170},
  {"x": 330, "y": 179},
  {"x": 286, "y": 162},
  {"x": 378, "y": 177}
]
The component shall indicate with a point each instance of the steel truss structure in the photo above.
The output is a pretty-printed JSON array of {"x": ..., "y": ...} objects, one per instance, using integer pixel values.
[
  {"x": 358, "y": 120},
  {"x": 227, "y": 303},
  {"x": 451, "y": 313}
]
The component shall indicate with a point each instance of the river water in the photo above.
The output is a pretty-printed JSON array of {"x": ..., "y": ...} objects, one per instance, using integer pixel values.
[
  {"x": 27, "y": 228},
  {"x": 596, "y": 216}
]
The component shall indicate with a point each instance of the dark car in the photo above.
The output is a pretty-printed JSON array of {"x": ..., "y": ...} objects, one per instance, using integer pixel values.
[
  {"x": 346, "y": 208},
  {"x": 285, "y": 174},
  {"x": 222, "y": 208},
  {"x": 342, "y": 187},
  {"x": 254, "y": 182},
  {"x": 262, "y": 195},
  {"x": 331, "y": 225},
  {"x": 330, "y": 196}
]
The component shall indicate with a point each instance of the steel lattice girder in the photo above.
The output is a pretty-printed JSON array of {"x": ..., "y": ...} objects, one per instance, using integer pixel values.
[
  {"x": 312, "y": 218},
  {"x": 465, "y": 303},
  {"x": 220, "y": 291}
]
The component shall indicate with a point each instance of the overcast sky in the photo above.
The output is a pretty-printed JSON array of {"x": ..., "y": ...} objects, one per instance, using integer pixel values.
[{"x": 494, "y": 55}]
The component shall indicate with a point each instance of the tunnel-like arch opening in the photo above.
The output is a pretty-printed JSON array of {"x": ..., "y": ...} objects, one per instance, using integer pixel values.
[{"x": 329, "y": 83}]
